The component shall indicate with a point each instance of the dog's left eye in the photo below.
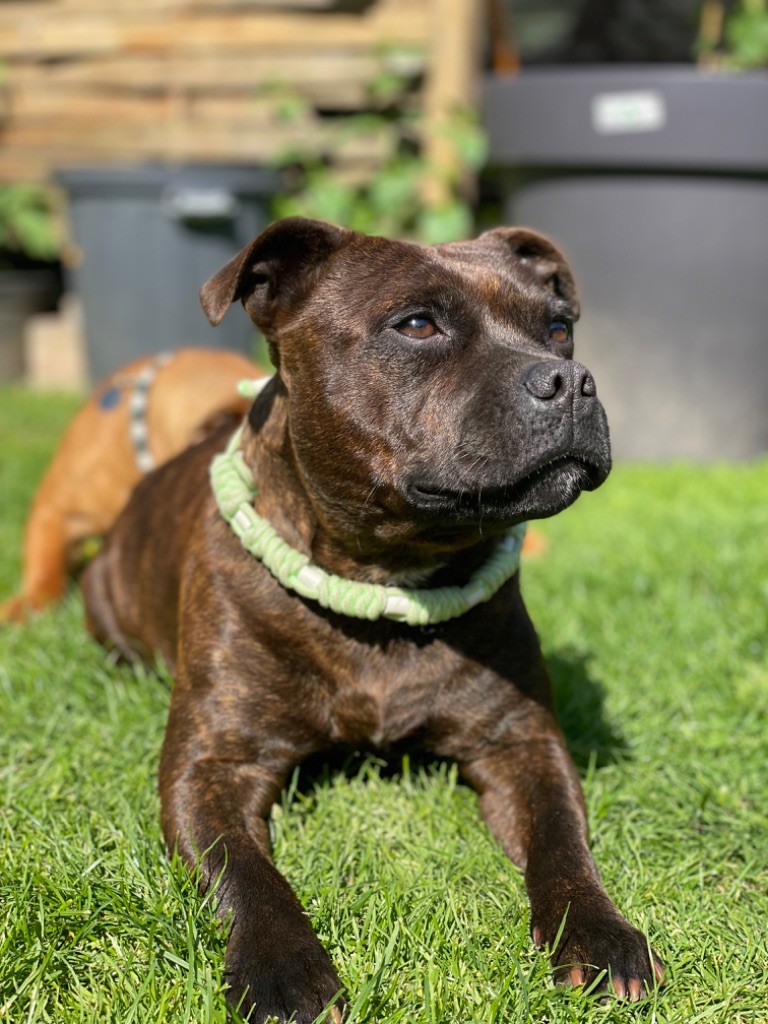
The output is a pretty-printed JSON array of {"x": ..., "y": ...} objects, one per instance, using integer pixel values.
[
  {"x": 417, "y": 327},
  {"x": 559, "y": 332}
]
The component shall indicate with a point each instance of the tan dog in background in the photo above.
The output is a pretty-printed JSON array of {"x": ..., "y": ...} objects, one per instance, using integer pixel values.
[{"x": 138, "y": 418}]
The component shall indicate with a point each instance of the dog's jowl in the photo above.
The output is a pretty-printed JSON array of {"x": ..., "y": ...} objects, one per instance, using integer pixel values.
[{"x": 426, "y": 402}]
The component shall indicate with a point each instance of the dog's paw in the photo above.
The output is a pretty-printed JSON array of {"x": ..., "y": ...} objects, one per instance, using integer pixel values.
[
  {"x": 294, "y": 983},
  {"x": 16, "y": 610},
  {"x": 598, "y": 949}
]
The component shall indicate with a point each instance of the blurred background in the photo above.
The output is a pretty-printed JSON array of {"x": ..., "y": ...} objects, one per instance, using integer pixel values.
[{"x": 142, "y": 142}]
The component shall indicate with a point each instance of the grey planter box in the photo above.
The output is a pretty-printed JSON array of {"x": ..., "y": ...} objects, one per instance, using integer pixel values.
[
  {"x": 655, "y": 183},
  {"x": 149, "y": 237}
]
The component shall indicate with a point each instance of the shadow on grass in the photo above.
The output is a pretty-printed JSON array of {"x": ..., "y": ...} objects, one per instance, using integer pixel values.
[
  {"x": 579, "y": 700},
  {"x": 593, "y": 741}
]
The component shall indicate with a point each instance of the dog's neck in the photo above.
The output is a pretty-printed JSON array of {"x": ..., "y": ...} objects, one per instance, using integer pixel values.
[{"x": 283, "y": 501}]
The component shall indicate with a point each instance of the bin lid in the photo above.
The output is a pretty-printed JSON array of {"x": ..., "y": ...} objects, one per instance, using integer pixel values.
[
  {"x": 122, "y": 179},
  {"x": 661, "y": 117}
]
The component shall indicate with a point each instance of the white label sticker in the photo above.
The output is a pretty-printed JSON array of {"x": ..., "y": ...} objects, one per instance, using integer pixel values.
[{"x": 621, "y": 112}]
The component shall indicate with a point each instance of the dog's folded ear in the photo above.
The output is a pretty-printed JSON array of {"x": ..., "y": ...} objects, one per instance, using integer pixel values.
[
  {"x": 541, "y": 256},
  {"x": 272, "y": 270}
]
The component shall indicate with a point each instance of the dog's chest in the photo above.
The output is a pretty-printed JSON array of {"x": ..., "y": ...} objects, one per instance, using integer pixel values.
[{"x": 385, "y": 697}]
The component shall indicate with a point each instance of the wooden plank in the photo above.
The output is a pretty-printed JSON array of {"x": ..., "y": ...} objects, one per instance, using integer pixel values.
[
  {"x": 209, "y": 72},
  {"x": 12, "y": 9},
  {"x": 26, "y": 167},
  {"x": 61, "y": 34},
  {"x": 237, "y": 140},
  {"x": 339, "y": 81},
  {"x": 451, "y": 85},
  {"x": 89, "y": 105},
  {"x": 37, "y": 165},
  {"x": 17, "y": 10}
]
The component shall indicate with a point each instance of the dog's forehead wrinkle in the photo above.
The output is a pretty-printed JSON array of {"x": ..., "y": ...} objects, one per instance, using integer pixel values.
[
  {"x": 491, "y": 266},
  {"x": 488, "y": 255},
  {"x": 513, "y": 327},
  {"x": 389, "y": 276},
  {"x": 392, "y": 274},
  {"x": 499, "y": 284},
  {"x": 506, "y": 312},
  {"x": 380, "y": 261}
]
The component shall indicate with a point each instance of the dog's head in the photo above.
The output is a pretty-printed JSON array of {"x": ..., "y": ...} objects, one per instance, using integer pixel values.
[{"x": 432, "y": 391}]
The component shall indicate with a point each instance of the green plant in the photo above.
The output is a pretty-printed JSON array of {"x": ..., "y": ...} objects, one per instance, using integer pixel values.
[
  {"x": 28, "y": 221},
  {"x": 746, "y": 35},
  {"x": 390, "y": 201},
  {"x": 736, "y": 40}
]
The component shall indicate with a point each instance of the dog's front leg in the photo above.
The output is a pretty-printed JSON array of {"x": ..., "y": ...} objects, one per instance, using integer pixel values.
[
  {"x": 215, "y": 813},
  {"x": 531, "y": 799}
]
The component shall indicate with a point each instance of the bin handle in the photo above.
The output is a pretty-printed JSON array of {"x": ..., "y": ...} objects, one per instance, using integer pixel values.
[{"x": 191, "y": 204}]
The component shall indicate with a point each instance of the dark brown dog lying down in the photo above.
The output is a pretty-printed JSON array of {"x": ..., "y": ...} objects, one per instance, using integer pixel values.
[
  {"x": 426, "y": 400},
  {"x": 138, "y": 418}
]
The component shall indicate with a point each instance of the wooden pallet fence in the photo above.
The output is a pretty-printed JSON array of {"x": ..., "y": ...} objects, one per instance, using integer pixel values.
[{"x": 92, "y": 81}]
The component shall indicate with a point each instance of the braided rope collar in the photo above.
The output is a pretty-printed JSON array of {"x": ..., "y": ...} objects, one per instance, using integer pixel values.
[{"x": 234, "y": 489}]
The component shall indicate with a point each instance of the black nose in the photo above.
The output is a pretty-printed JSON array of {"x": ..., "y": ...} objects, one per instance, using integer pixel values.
[{"x": 559, "y": 380}]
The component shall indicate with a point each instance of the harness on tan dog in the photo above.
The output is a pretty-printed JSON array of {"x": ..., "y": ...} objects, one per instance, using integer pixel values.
[
  {"x": 138, "y": 405},
  {"x": 234, "y": 489}
]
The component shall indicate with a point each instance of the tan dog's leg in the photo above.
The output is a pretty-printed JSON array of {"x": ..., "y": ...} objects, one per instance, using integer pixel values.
[
  {"x": 45, "y": 565},
  {"x": 95, "y": 467}
]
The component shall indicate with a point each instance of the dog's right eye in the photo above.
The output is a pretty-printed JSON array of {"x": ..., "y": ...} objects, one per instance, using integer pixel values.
[
  {"x": 559, "y": 332},
  {"x": 420, "y": 327}
]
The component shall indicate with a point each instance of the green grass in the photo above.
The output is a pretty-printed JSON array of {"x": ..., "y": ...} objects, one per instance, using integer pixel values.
[{"x": 651, "y": 603}]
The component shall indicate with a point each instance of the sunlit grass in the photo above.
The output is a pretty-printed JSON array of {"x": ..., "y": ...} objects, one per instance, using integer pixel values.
[{"x": 651, "y": 603}]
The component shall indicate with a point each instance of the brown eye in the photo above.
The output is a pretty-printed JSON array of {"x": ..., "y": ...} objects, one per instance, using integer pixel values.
[
  {"x": 559, "y": 332},
  {"x": 417, "y": 327}
]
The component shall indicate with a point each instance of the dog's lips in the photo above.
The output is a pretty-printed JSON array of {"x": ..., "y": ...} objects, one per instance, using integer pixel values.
[{"x": 543, "y": 490}]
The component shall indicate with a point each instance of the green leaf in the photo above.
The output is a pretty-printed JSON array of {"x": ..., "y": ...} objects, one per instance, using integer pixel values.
[
  {"x": 28, "y": 221},
  {"x": 746, "y": 34},
  {"x": 468, "y": 138},
  {"x": 449, "y": 222}
]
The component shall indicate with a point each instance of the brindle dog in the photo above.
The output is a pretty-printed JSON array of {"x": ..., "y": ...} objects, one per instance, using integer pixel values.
[{"x": 425, "y": 400}]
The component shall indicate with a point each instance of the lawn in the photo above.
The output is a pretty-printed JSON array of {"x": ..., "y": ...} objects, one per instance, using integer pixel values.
[{"x": 651, "y": 603}]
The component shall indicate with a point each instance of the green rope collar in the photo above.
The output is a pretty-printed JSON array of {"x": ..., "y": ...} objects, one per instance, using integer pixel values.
[{"x": 234, "y": 489}]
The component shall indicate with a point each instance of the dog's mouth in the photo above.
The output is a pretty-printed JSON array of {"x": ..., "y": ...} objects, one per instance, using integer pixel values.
[{"x": 542, "y": 491}]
